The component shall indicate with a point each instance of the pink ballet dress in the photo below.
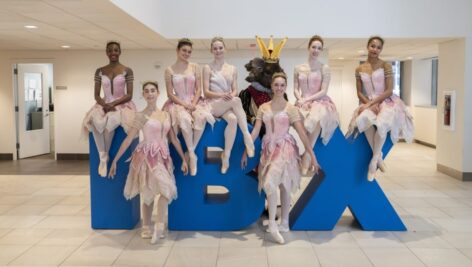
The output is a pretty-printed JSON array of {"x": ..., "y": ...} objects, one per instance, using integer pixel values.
[
  {"x": 124, "y": 114},
  {"x": 184, "y": 89},
  {"x": 322, "y": 110},
  {"x": 279, "y": 162},
  {"x": 151, "y": 170},
  {"x": 393, "y": 117}
]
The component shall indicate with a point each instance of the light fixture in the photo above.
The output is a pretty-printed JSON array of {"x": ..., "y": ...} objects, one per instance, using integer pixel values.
[
  {"x": 340, "y": 58},
  {"x": 65, "y": 46},
  {"x": 31, "y": 27},
  {"x": 409, "y": 58}
]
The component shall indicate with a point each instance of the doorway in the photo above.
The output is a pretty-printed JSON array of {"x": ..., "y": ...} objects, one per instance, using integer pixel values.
[{"x": 34, "y": 109}]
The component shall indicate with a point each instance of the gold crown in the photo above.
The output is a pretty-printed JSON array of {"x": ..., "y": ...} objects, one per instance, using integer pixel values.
[{"x": 270, "y": 54}]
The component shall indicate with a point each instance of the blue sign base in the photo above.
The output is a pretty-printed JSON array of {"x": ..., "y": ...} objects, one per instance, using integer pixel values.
[
  {"x": 343, "y": 184},
  {"x": 197, "y": 210},
  {"x": 110, "y": 209}
]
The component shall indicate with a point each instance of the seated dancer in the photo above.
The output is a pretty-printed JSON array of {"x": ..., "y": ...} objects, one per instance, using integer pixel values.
[
  {"x": 115, "y": 108},
  {"x": 220, "y": 89}
]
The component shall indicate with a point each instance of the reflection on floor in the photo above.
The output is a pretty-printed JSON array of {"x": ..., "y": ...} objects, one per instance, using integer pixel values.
[
  {"x": 45, "y": 220},
  {"x": 44, "y": 164}
]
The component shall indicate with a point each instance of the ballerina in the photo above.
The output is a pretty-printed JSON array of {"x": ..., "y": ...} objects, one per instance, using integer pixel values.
[
  {"x": 220, "y": 89},
  {"x": 187, "y": 108},
  {"x": 115, "y": 108},
  {"x": 279, "y": 162},
  {"x": 311, "y": 82},
  {"x": 380, "y": 111},
  {"x": 151, "y": 170}
]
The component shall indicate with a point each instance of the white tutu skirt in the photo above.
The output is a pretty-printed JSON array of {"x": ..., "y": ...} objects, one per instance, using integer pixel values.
[
  {"x": 97, "y": 119},
  {"x": 393, "y": 117},
  {"x": 279, "y": 164},
  {"x": 151, "y": 173},
  {"x": 182, "y": 118},
  {"x": 322, "y": 111}
]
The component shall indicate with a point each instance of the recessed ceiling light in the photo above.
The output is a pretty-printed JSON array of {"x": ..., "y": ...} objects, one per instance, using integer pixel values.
[
  {"x": 31, "y": 27},
  {"x": 65, "y": 46},
  {"x": 340, "y": 58},
  {"x": 409, "y": 58},
  {"x": 360, "y": 51}
]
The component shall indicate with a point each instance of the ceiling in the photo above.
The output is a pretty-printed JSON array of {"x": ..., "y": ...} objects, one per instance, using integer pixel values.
[{"x": 89, "y": 24}]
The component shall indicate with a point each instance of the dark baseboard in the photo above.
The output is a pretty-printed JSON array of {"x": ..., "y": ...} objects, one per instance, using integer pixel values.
[
  {"x": 72, "y": 156},
  {"x": 425, "y": 143},
  {"x": 6, "y": 156},
  {"x": 462, "y": 176}
]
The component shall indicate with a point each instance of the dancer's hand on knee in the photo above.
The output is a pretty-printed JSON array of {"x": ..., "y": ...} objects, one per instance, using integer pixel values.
[
  {"x": 112, "y": 172},
  {"x": 190, "y": 107},
  {"x": 244, "y": 160},
  {"x": 184, "y": 168},
  {"x": 375, "y": 108},
  {"x": 227, "y": 97}
]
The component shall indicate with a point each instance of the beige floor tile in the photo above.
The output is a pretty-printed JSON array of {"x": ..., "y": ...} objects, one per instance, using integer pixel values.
[
  {"x": 192, "y": 257},
  {"x": 153, "y": 256},
  {"x": 458, "y": 239},
  {"x": 27, "y": 236},
  {"x": 198, "y": 239},
  {"x": 297, "y": 239},
  {"x": 467, "y": 252},
  {"x": 27, "y": 210},
  {"x": 88, "y": 255},
  {"x": 10, "y": 252},
  {"x": 247, "y": 257},
  {"x": 392, "y": 257},
  {"x": 330, "y": 239},
  {"x": 44, "y": 255},
  {"x": 63, "y": 210},
  {"x": 436, "y": 257},
  {"x": 66, "y": 237},
  {"x": 377, "y": 240},
  {"x": 342, "y": 257},
  {"x": 139, "y": 243},
  {"x": 65, "y": 222},
  {"x": 291, "y": 256},
  {"x": 5, "y": 208},
  {"x": 19, "y": 221},
  {"x": 249, "y": 238},
  {"x": 422, "y": 239}
]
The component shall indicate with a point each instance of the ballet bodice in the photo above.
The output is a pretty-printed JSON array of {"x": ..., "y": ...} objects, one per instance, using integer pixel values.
[
  {"x": 219, "y": 82},
  {"x": 374, "y": 83},
  {"x": 118, "y": 83},
  {"x": 184, "y": 86},
  {"x": 310, "y": 82}
]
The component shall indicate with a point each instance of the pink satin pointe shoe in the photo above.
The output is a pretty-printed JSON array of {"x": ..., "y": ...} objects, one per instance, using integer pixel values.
[
  {"x": 381, "y": 164},
  {"x": 249, "y": 146},
  {"x": 193, "y": 164},
  {"x": 146, "y": 232},
  {"x": 158, "y": 233},
  {"x": 274, "y": 232},
  {"x": 102, "y": 167},
  {"x": 224, "y": 163}
]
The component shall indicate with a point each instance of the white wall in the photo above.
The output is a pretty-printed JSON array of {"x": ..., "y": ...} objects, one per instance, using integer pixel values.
[
  {"x": 424, "y": 119},
  {"x": 467, "y": 143},
  {"x": 300, "y": 18},
  {"x": 451, "y": 69}
]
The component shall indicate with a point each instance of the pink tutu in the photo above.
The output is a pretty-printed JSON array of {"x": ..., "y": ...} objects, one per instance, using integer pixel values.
[{"x": 322, "y": 111}]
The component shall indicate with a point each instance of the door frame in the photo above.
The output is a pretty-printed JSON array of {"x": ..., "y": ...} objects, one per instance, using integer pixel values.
[{"x": 14, "y": 86}]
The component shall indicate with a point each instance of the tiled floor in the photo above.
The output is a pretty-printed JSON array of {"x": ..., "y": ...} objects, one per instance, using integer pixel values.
[{"x": 45, "y": 220}]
